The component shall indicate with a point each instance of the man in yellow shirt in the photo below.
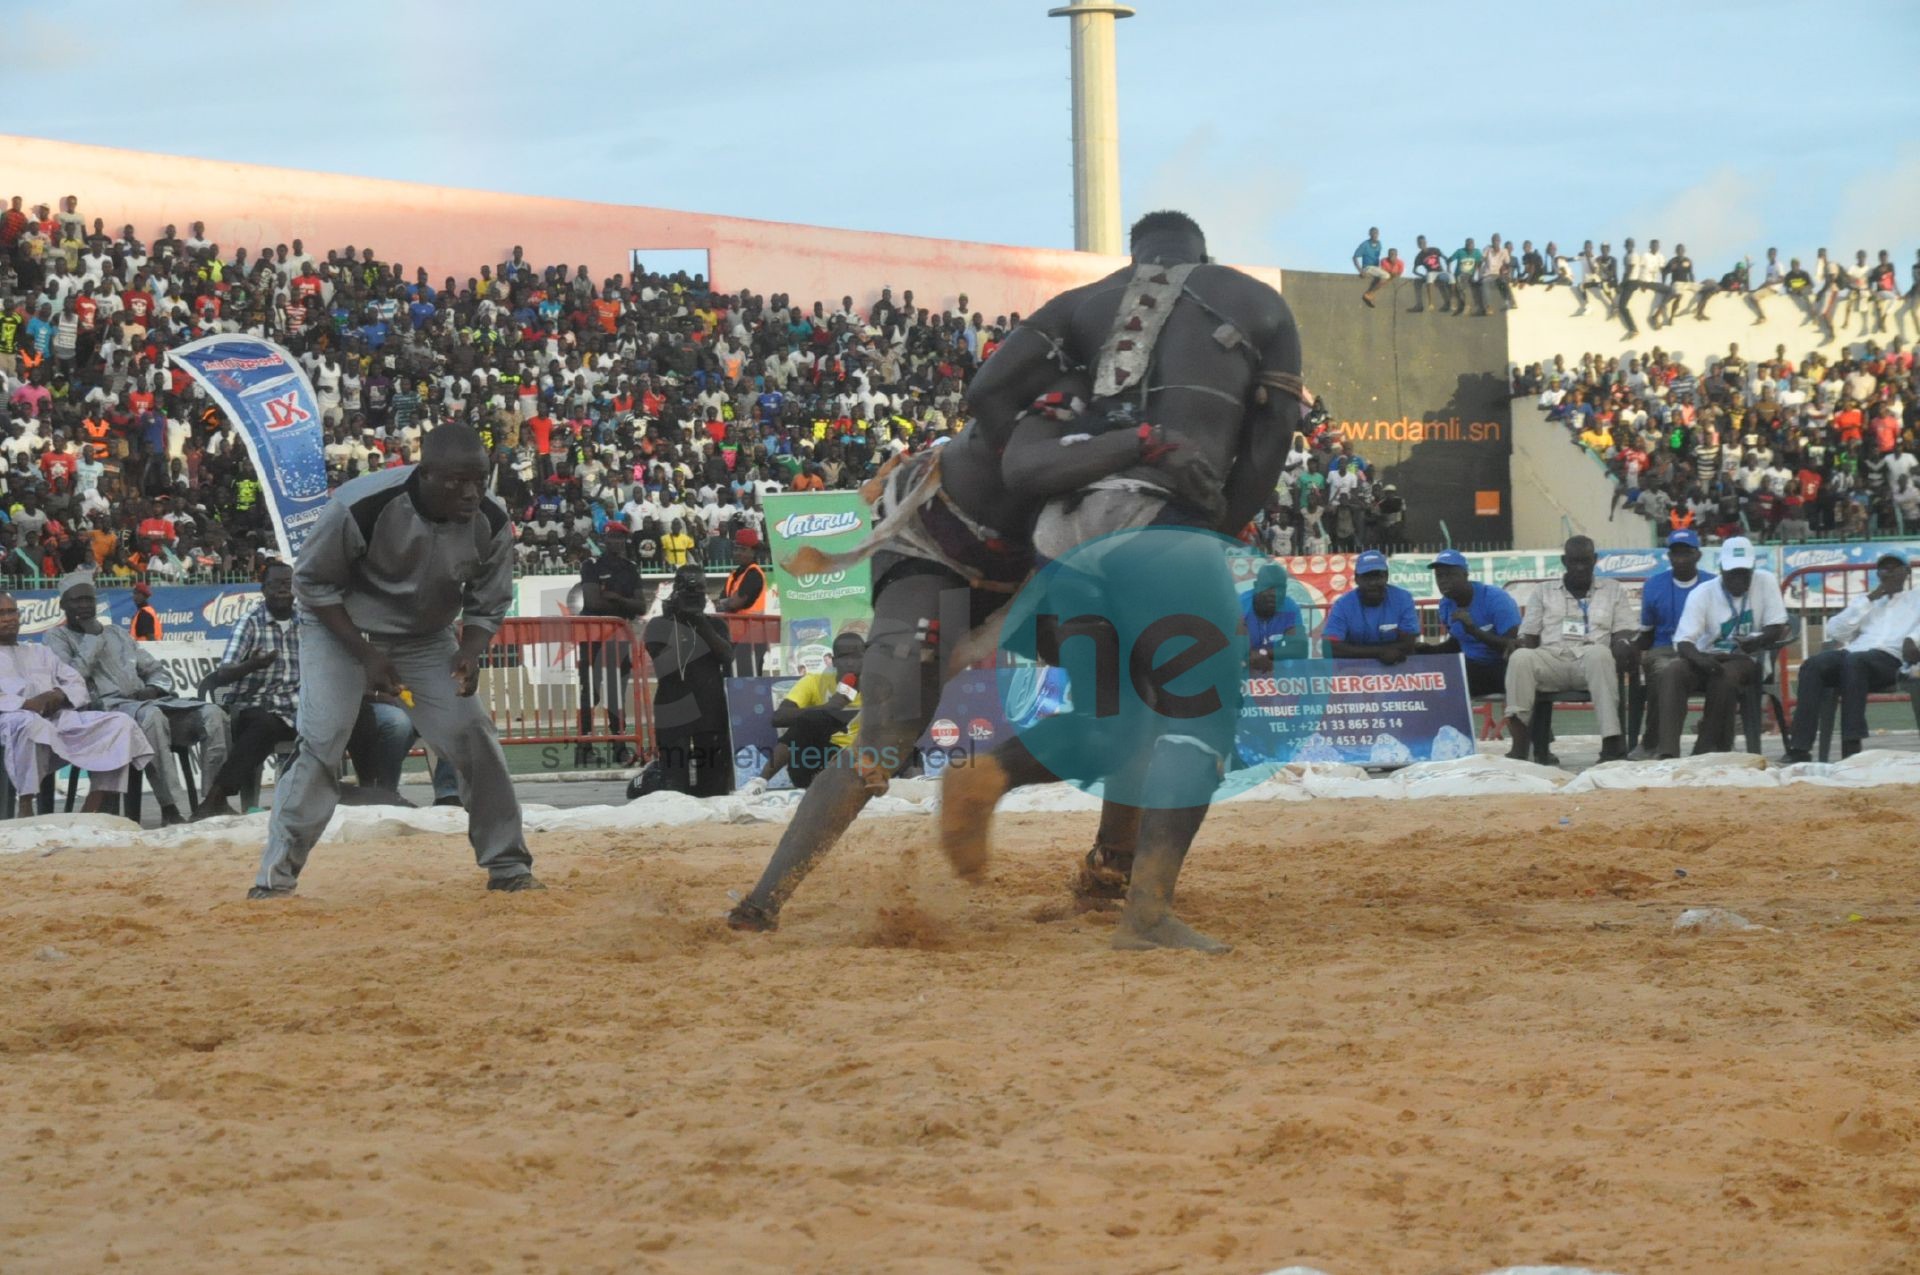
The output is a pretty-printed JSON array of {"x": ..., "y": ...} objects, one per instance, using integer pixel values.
[
  {"x": 819, "y": 717},
  {"x": 677, "y": 546}
]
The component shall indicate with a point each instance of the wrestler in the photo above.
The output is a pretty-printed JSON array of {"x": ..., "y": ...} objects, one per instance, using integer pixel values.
[
  {"x": 1177, "y": 342},
  {"x": 950, "y": 546}
]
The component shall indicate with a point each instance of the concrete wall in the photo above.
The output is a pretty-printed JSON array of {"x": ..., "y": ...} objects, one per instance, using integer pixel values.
[
  {"x": 1546, "y": 324},
  {"x": 1422, "y": 395},
  {"x": 1561, "y": 490}
]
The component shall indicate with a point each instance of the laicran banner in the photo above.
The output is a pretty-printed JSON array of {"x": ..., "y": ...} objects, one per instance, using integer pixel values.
[
  {"x": 816, "y": 607},
  {"x": 271, "y": 404}
]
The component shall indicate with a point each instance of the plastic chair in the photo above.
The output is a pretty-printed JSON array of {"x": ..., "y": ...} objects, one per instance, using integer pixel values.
[
  {"x": 1754, "y": 698},
  {"x": 136, "y": 783}
]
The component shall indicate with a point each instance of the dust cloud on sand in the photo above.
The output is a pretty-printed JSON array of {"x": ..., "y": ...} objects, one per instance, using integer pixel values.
[{"x": 1456, "y": 1035}]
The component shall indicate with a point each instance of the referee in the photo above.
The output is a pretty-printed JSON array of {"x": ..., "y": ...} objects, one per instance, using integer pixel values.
[{"x": 395, "y": 560}]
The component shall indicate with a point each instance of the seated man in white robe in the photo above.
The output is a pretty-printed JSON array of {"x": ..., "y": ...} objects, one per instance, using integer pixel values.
[{"x": 41, "y": 722}]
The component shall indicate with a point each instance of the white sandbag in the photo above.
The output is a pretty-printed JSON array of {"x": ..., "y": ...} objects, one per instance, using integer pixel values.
[{"x": 1713, "y": 770}]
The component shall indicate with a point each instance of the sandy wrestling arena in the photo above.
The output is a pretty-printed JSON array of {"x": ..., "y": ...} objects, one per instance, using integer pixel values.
[{"x": 1456, "y": 1035}]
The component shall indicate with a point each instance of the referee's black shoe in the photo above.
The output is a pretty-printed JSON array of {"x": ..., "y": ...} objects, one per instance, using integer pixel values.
[{"x": 512, "y": 885}]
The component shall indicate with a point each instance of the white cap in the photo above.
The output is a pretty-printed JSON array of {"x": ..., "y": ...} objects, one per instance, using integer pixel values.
[{"x": 1736, "y": 554}]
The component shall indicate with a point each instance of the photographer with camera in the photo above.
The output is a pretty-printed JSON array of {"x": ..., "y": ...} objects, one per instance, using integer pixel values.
[{"x": 691, "y": 654}]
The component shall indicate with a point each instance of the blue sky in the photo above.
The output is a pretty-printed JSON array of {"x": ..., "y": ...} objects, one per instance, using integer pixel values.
[{"x": 1286, "y": 129}]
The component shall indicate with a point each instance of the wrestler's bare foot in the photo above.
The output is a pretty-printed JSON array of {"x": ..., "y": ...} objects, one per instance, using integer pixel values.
[
  {"x": 751, "y": 918},
  {"x": 1168, "y": 932},
  {"x": 1102, "y": 877},
  {"x": 968, "y": 794}
]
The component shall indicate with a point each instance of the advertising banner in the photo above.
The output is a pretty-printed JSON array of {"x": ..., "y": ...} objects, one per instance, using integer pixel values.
[
  {"x": 267, "y": 397},
  {"x": 1361, "y": 712},
  {"x": 189, "y": 612},
  {"x": 1819, "y": 590},
  {"x": 969, "y": 720},
  {"x": 815, "y": 607},
  {"x": 189, "y": 663}
]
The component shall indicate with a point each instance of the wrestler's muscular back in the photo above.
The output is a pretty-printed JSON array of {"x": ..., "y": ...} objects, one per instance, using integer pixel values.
[{"x": 1189, "y": 355}]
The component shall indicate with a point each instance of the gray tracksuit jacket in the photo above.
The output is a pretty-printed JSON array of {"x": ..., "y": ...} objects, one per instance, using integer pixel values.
[{"x": 399, "y": 574}]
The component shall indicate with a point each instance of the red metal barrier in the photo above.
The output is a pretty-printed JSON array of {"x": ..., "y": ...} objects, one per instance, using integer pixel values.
[{"x": 569, "y": 680}]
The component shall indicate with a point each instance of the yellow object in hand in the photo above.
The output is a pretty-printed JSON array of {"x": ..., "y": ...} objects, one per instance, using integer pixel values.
[{"x": 406, "y": 697}]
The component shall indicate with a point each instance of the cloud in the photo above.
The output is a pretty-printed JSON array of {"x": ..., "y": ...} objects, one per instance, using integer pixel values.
[
  {"x": 1717, "y": 218},
  {"x": 1876, "y": 211},
  {"x": 1238, "y": 198}
]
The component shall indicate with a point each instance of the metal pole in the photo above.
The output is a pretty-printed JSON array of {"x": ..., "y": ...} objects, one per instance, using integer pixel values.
[{"x": 1096, "y": 125}]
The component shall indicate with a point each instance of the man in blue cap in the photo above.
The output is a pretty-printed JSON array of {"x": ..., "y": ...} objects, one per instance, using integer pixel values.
[
  {"x": 1481, "y": 620},
  {"x": 1375, "y": 620},
  {"x": 1662, "y": 599},
  {"x": 1274, "y": 628}
]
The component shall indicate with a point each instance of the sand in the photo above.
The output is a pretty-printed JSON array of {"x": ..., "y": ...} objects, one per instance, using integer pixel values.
[{"x": 1455, "y": 1035}]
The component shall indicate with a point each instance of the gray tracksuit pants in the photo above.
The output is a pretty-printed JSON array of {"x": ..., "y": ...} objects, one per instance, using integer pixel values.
[{"x": 332, "y": 684}]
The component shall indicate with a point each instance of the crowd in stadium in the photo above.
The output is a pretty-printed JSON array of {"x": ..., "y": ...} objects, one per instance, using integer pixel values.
[
  {"x": 1857, "y": 298},
  {"x": 643, "y": 399},
  {"x": 1773, "y": 448}
]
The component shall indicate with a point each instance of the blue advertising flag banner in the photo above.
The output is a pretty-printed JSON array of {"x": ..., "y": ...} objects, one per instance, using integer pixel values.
[
  {"x": 204, "y": 612},
  {"x": 271, "y": 403},
  {"x": 1361, "y": 712}
]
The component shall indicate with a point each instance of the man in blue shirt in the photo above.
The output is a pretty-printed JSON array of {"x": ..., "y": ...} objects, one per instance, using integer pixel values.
[
  {"x": 1481, "y": 621},
  {"x": 1272, "y": 620},
  {"x": 1366, "y": 260},
  {"x": 1376, "y": 621},
  {"x": 1662, "y": 599}
]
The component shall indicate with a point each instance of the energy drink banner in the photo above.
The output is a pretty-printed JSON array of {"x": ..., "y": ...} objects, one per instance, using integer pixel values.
[
  {"x": 1360, "y": 712},
  {"x": 816, "y": 607},
  {"x": 272, "y": 406}
]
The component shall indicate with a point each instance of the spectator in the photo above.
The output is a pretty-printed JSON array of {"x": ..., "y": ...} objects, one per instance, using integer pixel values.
[
  {"x": 262, "y": 664},
  {"x": 691, "y": 655},
  {"x": 1874, "y": 637},
  {"x": 1723, "y": 633},
  {"x": 1366, "y": 260},
  {"x": 1430, "y": 267},
  {"x": 120, "y": 676},
  {"x": 1662, "y": 599},
  {"x": 819, "y": 718},
  {"x": 1481, "y": 621},
  {"x": 1466, "y": 273},
  {"x": 1496, "y": 270},
  {"x": 1273, "y": 623},
  {"x": 1575, "y": 636},
  {"x": 1374, "y": 620}
]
